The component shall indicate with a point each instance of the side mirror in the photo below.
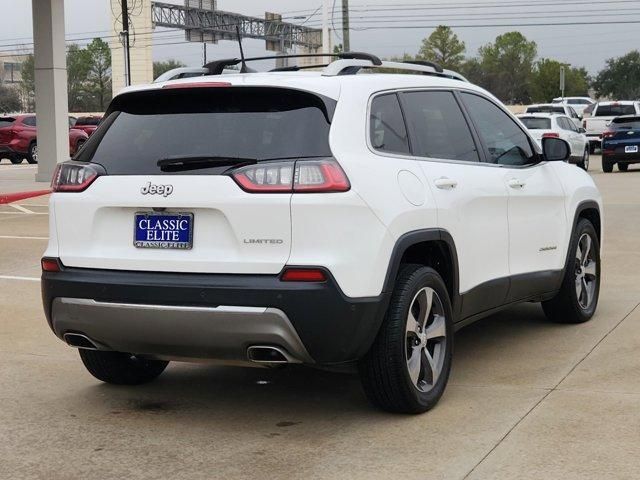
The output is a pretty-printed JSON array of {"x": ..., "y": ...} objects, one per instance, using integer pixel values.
[{"x": 555, "y": 149}]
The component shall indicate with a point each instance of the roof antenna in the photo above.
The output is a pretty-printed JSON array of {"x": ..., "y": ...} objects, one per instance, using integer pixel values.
[{"x": 243, "y": 68}]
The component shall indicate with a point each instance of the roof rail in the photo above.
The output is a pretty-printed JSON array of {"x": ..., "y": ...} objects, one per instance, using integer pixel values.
[
  {"x": 352, "y": 67},
  {"x": 426, "y": 63},
  {"x": 217, "y": 66}
]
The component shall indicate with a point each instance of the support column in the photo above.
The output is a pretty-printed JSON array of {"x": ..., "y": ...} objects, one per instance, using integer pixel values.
[{"x": 52, "y": 108}]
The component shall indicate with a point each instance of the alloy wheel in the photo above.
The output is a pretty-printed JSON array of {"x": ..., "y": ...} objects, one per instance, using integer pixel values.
[
  {"x": 586, "y": 271},
  {"x": 425, "y": 339},
  {"x": 34, "y": 152}
]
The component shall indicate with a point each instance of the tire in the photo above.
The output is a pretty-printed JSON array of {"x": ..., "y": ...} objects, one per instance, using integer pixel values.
[
  {"x": 584, "y": 163},
  {"x": 592, "y": 148},
  {"x": 121, "y": 368},
  {"x": 623, "y": 167},
  {"x": 385, "y": 370},
  {"x": 607, "y": 167},
  {"x": 16, "y": 161},
  {"x": 79, "y": 145},
  {"x": 568, "y": 306},
  {"x": 32, "y": 153}
]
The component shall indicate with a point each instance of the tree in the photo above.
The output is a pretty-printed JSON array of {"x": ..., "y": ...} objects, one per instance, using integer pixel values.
[
  {"x": 508, "y": 65},
  {"x": 620, "y": 78},
  {"x": 78, "y": 66},
  {"x": 161, "y": 67},
  {"x": 9, "y": 100},
  {"x": 28, "y": 84},
  {"x": 443, "y": 47},
  {"x": 545, "y": 83},
  {"x": 99, "y": 75}
]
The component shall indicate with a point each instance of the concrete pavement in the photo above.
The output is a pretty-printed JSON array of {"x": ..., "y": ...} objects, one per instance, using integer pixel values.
[{"x": 527, "y": 398}]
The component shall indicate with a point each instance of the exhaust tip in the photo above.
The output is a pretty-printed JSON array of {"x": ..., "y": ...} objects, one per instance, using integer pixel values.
[
  {"x": 79, "y": 340},
  {"x": 268, "y": 354}
]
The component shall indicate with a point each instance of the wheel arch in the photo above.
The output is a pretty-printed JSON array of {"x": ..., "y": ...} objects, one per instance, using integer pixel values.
[
  {"x": 434, "y": 248},
  {"x": 589, "y": 210}
]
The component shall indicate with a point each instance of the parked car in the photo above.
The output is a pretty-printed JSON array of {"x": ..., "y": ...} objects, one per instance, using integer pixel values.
[
  {"x": 325, "y": 218},
  {"x": 18, "y": 139},
  {"x": 579, "y": 104},
  {"x": 543, "y": 125},
  {"x": 621, "y": 143},
  {"x": 603, "y": 114},
  {"x": 87, "y": 124},
  {"x": 556, "y": 108}
]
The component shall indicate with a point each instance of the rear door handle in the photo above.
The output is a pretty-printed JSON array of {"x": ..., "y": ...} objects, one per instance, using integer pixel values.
[
  {"x": 515, "y": 183},
  {"x": 445, "y": 183}
]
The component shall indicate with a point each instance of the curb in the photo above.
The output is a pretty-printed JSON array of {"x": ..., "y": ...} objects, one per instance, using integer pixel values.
[{"x": 14, "y": 197}]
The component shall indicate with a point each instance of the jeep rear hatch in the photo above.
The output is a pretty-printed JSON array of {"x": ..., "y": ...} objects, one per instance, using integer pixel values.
[{"x": 163, "y": 199}]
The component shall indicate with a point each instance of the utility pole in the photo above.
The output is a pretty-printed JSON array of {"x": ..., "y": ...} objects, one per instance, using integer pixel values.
[
  {"x": 562, "y": 80},
  {"x": 346, "y": 44},
  {"x": 204, "y": 53},
  {"x": 124, "y": 35},
  {"x": 326, "y": 41}
]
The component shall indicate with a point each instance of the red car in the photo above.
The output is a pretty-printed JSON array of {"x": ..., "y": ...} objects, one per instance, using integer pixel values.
[
  {"x": 18, "y": 139},
  {"x": 87, "y": 124}
]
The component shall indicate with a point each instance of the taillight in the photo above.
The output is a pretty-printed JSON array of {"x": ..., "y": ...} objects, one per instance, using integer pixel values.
[
  {"x": 302, "y": 176},
  {"x": 608, "y": 134},
  {"x": 551, "y": 135},
  {"x": 303, "y": 275},
  {"x": 73, "y": 177},
  {"x": 50, "y": 264}
]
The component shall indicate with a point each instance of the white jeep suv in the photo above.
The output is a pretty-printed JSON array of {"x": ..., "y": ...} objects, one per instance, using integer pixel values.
[{"x": 328, "y": 218}]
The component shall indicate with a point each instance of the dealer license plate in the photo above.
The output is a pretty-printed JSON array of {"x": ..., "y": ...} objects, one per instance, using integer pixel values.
[{"x": 163, "y": 230}]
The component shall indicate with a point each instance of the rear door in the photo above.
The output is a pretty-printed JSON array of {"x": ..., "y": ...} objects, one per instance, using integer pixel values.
[
  {"x": 471, "y": 197},
  {"x": 232, "y": 231},
  {"x": 537, "y": 219}
]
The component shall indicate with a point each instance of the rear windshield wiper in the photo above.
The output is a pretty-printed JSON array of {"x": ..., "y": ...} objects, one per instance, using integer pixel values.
[{"x": 194, "y": 162}]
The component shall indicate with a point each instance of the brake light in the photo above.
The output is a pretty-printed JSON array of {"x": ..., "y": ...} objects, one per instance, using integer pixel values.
[
  {"x": 50, "y": 264},
  {"x": 608, "y": 134},
  {"x": 303, "y": 275},
  {"x": 551, "y": 135},
  {"x": 608, "y": 152},
  {"x": 302, "y": 176},
  {"x": 73, "y": 177}
]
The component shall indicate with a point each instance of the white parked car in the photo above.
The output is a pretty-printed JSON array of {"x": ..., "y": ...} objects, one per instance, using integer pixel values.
[
  {"x": 579, "y": 104},
  {"x": 545, "y": 125},
  {"x": 326, "y": 218},
  {"x": 556, "y": 108}
]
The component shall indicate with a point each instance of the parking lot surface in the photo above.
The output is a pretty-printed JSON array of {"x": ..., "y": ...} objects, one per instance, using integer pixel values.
[{"x": 527, "y": 398}]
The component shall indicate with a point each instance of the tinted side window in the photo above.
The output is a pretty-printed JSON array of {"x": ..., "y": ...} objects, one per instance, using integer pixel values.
[
  {"x": 438, "y": 127},
  {"x": 506, "y": 143},
  {"x": 563, "y": 123},
  {"x": 30, "y": 121},
  {"x": 387, "y": 130}
]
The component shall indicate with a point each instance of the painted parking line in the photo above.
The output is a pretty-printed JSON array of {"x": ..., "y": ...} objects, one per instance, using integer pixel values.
[
  {"x": 14, "y": 277},
  {"x": 19, "y": 237},
  {"x": 21, "y": 208}
]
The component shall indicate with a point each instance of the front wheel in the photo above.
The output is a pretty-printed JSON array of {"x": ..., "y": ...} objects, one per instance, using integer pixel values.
[
  {"x": 407, "y": 368},
  {"x": 577, "y": 299},
  {"x": 121, "y": 368},
  {"x": 584, "y": 163}
]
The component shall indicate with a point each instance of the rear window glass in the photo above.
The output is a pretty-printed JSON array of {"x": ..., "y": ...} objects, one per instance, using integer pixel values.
[
  {"x": 6, "y": 122},
  {"x": 256, "y": 123},
  {"x": 536, "y": 123},
  {"x": 614, "y": 110},
  {"x": 545, "y": 109},
  {"x": 627, "y": 123}
]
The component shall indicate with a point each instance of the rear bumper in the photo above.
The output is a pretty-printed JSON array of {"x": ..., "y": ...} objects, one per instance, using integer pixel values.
[
  {"x": 623, "y": 158},
  {"x": 211, "y": 316}
]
